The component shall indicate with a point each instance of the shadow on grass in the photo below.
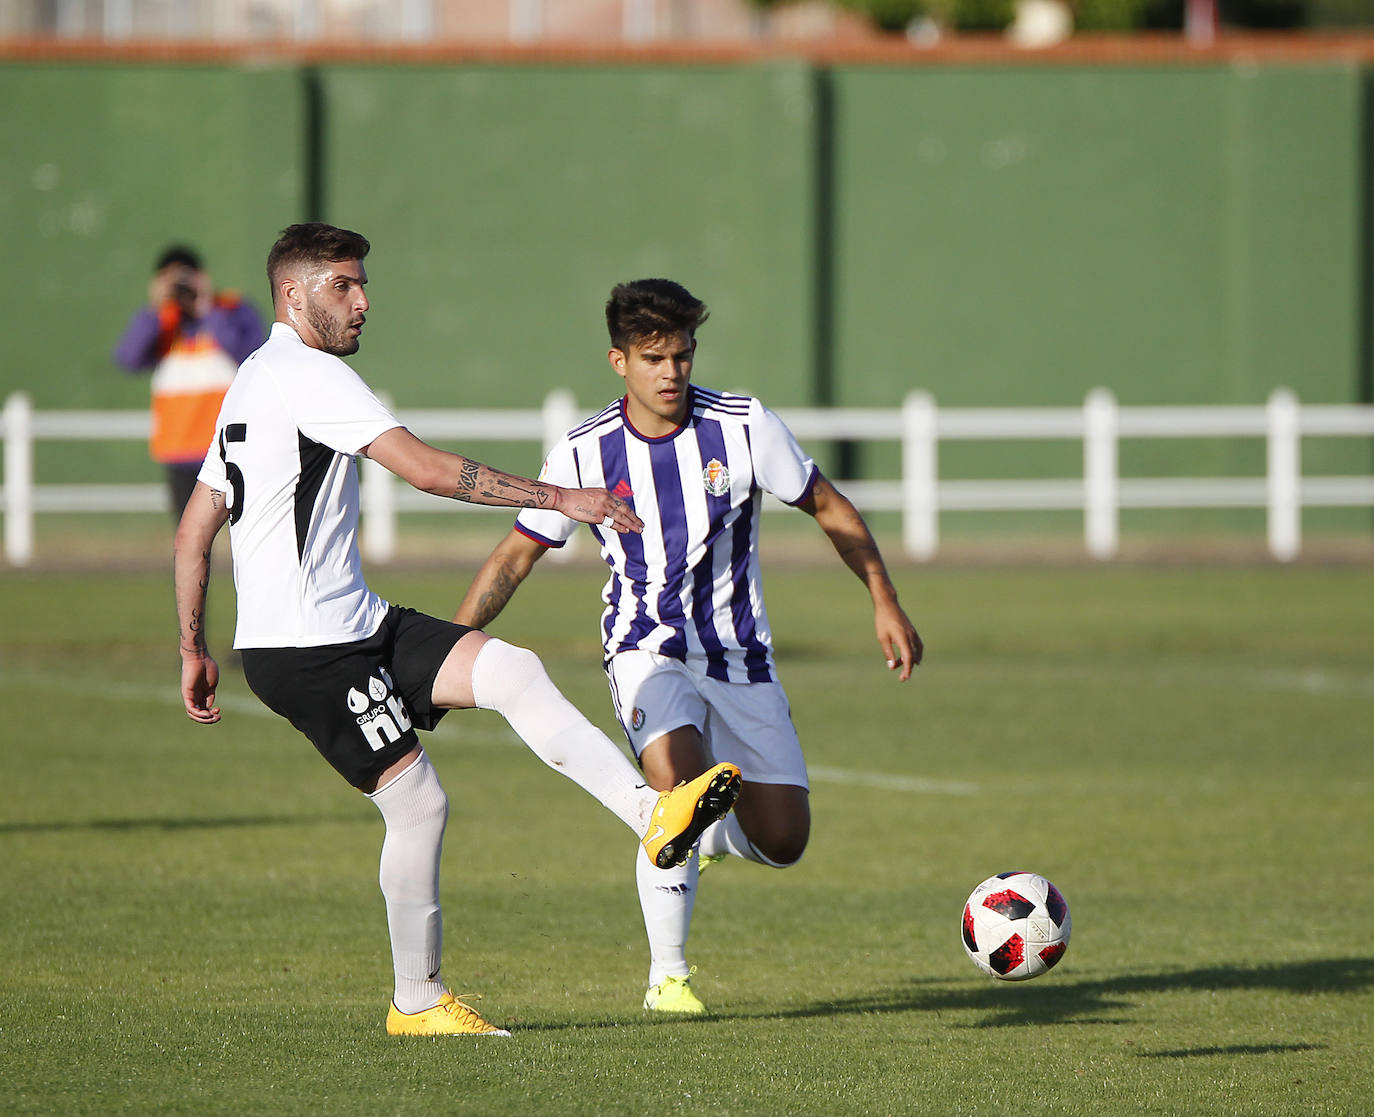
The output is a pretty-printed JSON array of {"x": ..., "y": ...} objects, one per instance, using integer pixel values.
[
  {"x": 1049, "y": 1002},
  {"x": 1234, "y": 1049},
  {"x": 124, "y": 825},
  {"x": 1067, "y": 1001}
]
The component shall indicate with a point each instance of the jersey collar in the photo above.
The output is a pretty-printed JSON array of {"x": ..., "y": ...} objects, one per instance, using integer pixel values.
[{"x": 672, "y": 434}]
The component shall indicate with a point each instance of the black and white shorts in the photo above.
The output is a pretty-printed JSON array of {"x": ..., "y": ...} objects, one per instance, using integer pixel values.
[{"x": 359, "y": 703}]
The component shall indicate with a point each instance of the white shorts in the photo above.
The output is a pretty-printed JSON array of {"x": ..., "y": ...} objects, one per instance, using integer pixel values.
[{"x": 748, "y": 724}]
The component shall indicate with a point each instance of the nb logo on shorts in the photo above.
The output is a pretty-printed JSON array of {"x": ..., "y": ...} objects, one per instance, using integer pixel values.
[{"x": 381, "y": 715}]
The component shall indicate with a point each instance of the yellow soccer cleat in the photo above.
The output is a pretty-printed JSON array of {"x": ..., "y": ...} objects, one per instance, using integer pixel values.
[
  {"x": 682, "y": 814},
  {"x": 674, "y": 994},
  {"x": 450, "y": 1017}
]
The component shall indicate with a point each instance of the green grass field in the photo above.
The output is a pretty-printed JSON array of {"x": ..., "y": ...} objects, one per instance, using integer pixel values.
[{"x": 192, "y": 923}]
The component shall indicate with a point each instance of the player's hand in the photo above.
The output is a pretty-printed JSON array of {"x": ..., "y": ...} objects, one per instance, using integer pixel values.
[
  {"x": 597, "y": 506},
  {"x": 199, "y": 678},
  {"x": 898, "y": 639}
]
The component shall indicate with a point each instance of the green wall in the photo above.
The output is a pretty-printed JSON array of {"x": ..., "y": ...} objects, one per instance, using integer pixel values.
[
  {"x": 103, "y": 166},
  {"x": 503, "y": 203},
  {"x": 1010, "y": 235},
  {"x": 1182, "y": 235}
]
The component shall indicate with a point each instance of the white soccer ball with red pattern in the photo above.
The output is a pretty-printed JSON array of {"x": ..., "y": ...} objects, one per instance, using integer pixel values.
[{"x": 1016, "y": 926}]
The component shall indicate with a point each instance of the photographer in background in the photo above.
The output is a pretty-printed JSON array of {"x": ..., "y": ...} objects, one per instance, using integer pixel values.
[{"x": 192, "y": 339}]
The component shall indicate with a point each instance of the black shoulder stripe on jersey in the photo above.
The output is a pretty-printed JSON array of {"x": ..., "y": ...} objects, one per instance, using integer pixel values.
[
  {"x": 315, "y": 459},
  {"x": 724, "y": 407},
  {"x": 711, "y": 399},
  {"x": 610, "y": 412}
]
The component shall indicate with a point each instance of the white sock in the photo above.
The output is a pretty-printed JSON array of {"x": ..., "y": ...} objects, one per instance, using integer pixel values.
[
  {"x": 513, "y": 682},
  {"x": 666, "y": 897},
  {"x": 727, "y": 836},
  {"x": 415, "y": 810}
]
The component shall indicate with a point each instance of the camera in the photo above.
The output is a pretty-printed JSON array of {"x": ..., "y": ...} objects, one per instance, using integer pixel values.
[{"x": 183, "y": 290}]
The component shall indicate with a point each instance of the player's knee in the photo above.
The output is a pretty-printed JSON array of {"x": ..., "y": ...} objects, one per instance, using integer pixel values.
[
  {"x": 778, "y": 826},
  {"x": 437, "y": 814},
  {"x": 783, "y": 843},
  {"x": 503, "y": 672},
  {"x": 784, "y": 852},
  {"x": 420, "y": 820},
  {"x": 415, "y": 809},
  {"x": 415, "y": 800}
]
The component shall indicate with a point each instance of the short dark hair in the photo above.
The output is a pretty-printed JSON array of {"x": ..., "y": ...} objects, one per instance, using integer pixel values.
[
  {"x": 177, "y": 254},
  {"x": 311, "y": 243},
  {"x": 650, "y": 308}
]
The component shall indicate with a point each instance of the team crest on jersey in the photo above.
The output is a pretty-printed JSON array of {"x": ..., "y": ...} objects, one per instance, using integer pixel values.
[
  {"x": 716, "y": 477},
  {"x": 637, "y": 718}
]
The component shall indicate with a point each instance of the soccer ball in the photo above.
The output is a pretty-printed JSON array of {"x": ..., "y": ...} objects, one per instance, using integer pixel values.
[{"x": 1016, "y": 926}]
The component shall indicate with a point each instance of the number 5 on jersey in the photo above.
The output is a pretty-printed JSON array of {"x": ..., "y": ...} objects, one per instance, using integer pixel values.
[{"x": 233, "y": 432}]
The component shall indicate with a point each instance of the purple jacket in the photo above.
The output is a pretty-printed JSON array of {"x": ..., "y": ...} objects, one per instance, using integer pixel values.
[{"x": 234, "y": 324}]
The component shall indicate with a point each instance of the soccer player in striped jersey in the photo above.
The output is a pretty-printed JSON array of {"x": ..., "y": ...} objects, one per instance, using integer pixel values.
[{"x": 687, "y": 642}]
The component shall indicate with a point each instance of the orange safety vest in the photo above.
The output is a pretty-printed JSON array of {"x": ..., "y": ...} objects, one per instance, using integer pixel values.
[{"x": 188, "y": 386}]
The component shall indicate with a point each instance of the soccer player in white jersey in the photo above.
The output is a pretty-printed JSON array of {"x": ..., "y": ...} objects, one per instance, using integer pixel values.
[
  {"x": 687, "y": 642},
  {"x": 356, "y": 674}
]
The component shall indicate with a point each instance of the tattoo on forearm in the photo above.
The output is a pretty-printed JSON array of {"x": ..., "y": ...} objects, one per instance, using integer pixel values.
[
  {"x": 496, "y": 598},
  {"x": 194, "y": 633},
  {"x": 504, "y": 487},
  {"x": 193, "y": 639},
  {"x": 478, "y": 484},
  {"x": 467, "y": 480}
]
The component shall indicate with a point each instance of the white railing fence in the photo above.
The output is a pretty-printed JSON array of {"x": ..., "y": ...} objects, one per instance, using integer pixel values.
[{"x": 919, "y": 426}]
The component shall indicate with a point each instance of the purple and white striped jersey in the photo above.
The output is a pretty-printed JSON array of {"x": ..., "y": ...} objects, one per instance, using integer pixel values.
[{"x": 689, "y": 586}]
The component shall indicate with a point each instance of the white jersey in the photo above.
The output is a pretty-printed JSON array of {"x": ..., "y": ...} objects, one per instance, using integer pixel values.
[
  {"x": 689, "y": 586},
  {"x": 283, "y": 456}
]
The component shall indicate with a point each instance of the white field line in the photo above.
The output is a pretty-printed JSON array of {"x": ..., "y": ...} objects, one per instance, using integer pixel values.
[
  {"x": 888, "y": 782},
  {"x": 238, "y": 705},
  {"x": 1312, "y": 681},
  {"x": 246, "y": 705},
  {"x": 1315, "y": 682}
]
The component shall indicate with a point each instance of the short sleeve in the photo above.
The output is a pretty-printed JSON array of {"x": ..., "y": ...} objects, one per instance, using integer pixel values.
[
  {"x": 212, "y": 471},
  {"x": 546, "y": 526},
  {"x": 332, "y": 406},
  {"x": 781, "y": 466}
]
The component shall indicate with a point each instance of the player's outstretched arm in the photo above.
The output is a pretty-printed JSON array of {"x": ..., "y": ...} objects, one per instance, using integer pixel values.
[
  {"x": 500, "y": 576},
  {"x": 853, "y": 542},
  {"x": 204, "y": 516},
  {"x": 437, "y": 471}
]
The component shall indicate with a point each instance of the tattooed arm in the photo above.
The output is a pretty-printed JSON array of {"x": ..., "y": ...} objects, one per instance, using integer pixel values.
[
  {"x": 205, "y": 515},
  {"x": 437, "y": 471},
  {"x": 495, "y": 584}
]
